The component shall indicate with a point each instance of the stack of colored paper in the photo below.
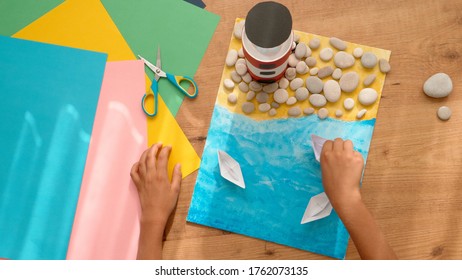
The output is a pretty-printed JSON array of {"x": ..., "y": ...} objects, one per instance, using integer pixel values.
[{"x": 58, "y": 186}]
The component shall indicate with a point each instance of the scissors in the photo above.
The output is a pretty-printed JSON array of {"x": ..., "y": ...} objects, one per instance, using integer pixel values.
[{"x": 173, "y": 79}]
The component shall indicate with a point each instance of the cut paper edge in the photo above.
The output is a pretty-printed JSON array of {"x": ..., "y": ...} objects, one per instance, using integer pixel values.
[
  {"x": 230, "y": 169},
  {"x": 318, "y": 207}
]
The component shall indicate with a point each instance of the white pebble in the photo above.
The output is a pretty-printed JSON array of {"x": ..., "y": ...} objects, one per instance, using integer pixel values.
[
  {"x": 367, "y": 96},
  {"x": 231, "y": 58},
  {"x": 240, "y": 61},
  {"x": 296, "y": 38},
  {"x": 264, "y": 107},
  {"x": 308, "y": 52},
  {"x": 236, "y": 77},
  {"x": 272, "y": 112},
  {"x": 369, "y": 60},
  {"x": 337, "y": 74},
  {"x": 314, "y": 71},
  {"x": 343, "y": 60},
  {"x": 294, "y": 111},
  {"x": 291, "y": 73},
  {"x": 293, "y": 60},
  {"x": 275, "y": 104},
  {"x": 323, "y": 113},
  {"x": 349, "y": 81},
  {"x": 291, "y": 101},
  {"x": 332, "y": 91},
  {"x": 283, "y": 83},
  {"x": 228, "y": 83},
  {"x": 444, "y": 113},
  {"x": 270, "y": 87},
  {"x": 369, "y": 80},
  {"x": 248, "y": 107},
  {"x": 314, "y": 84},
  {"x": 438, "y": 85},
  {"x": 310, "y": 61},
  {"x": 302, "y": 93},
  {"x": 296, "y": 83},
  {"x": 281, "y": 96},
  {"x": 240, "y": 53},
  {"x": 314, "y": 43},
  {"x": 317, "y": 100},
  {"x": 361, "y": 113},
  {"x": 326, "y": 54},
  {"x": 349, "y": 104},
  {"x": 338, "y": 113},
  {"x": 337, "y": 43},
  {"x": 255, "y": 86},
  {"x": 262, "y": 97},
  {"x": 250, "y": 95},
  {"x": 243, "y": 87},
  {"x": 300, "y": 50},
  {"x": 325, "y": 71},
  {"x": 384, "y": 66},
  {"x": 232, "y": 98},
  {"x": 358, "y": 52},
  {"x": 301, "y": 67},
  {"x": 294, "y": 45},
  {"x": 247, "y": 78},
  {"x": 241, "y": 69},
  {"x": 238, "y": 29},
  {"x": 308, "y": 111}
]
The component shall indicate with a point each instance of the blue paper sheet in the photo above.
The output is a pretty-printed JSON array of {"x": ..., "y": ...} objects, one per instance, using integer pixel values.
[
  {"x": 281, "y": 175},
  {"x": 49, "y": 96}
]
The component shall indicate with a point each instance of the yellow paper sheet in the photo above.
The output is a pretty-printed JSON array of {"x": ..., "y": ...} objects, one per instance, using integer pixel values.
[{"x": 86, "y": 24}]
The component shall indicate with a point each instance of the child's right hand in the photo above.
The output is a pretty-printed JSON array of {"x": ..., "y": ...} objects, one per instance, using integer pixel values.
[{"x": 341, "y": 173}]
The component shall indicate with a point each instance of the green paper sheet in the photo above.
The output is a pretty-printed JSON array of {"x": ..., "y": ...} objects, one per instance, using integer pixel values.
[
  {"x": 182, "y": 31},
  {"x": 17, "y": 14}
]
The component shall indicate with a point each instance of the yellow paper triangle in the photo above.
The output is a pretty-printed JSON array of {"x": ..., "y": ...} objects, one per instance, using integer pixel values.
[{"x": 85, "y": 24}]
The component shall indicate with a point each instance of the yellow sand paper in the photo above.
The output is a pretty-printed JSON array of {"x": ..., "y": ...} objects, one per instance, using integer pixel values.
[
  {"x": 86, "y": 24},
  {"x": 332, "y": 107}
]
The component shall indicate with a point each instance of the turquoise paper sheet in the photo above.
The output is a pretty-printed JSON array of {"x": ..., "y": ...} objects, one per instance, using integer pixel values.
[{"x": 48, "y": 102}]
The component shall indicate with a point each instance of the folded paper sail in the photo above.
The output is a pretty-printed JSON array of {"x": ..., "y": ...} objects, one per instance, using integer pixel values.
[
  {"x": 319, "y": 207},
  {"x": 106, "y": 224},
  {"x": 49, "y": 95},
  {"x": 86, "y": 24},
  {"x": 317, "y": 143},
  {"x": 230, "y": 169}
]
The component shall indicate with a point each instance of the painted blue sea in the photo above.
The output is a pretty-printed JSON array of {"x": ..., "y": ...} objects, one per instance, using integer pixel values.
[{"x": 281, "y": 175}]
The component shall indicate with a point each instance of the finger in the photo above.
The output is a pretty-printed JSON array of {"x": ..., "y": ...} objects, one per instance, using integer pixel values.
[
  {"x": 176, "y": 178},
  {"x": 348, "y": 146},
  {"x": 338, "y": 144},
  {"x": 328, "y": 146},
  {"x": 142, "y": 162},
  {"x": 134, "y": 173},
  {"x": 162, "y": 161},
  {"x": 152, "y": 155},
  {"x": 359, "y": 156}
]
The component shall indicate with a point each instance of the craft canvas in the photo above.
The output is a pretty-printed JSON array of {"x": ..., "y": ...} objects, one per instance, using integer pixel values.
[
  {"x": 47, "y": 111},
  {"x": 278, "y": 164}
]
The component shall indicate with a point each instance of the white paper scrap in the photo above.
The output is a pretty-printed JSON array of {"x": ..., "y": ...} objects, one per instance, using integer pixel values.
[
  {"x": 230, "y": 169},
  {"x": 318, "y": 207},
  {"x": 317, "y": 143}
]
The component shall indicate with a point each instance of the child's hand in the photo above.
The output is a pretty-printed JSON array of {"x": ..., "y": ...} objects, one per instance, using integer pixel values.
[
  {"x": 341, "y": 172},
  {"x": 158, "y": 196}
]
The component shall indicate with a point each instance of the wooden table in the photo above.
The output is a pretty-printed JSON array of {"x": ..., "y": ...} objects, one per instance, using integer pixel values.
[{"x": 413, "y": 179}]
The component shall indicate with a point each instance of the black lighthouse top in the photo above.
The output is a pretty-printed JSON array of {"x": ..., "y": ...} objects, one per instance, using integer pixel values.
[{"x": 268, "y": 24}]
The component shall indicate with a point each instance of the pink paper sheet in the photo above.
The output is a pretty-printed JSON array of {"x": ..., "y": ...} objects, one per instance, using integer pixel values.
[{"x": 106, "y": 224}]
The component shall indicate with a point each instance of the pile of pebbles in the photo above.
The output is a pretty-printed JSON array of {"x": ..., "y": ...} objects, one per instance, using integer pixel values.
[{"x": 323, "y": 85}]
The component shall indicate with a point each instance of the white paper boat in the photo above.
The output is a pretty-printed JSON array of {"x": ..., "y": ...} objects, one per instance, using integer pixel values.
[
  {"x": 230, "y": 169},
  {"x": 318, "y": 207},
  {"x": 317, "y": 143}
]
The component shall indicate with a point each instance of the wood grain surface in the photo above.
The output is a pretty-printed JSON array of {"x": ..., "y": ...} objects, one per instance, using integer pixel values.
[{"x": 413, "y": 179}]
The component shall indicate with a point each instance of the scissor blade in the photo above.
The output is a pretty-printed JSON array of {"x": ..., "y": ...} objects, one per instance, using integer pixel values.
[
  {"x": 158, "y": 61},
  {"x": 157, "y": 71}
]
